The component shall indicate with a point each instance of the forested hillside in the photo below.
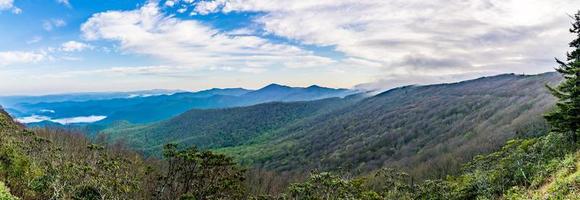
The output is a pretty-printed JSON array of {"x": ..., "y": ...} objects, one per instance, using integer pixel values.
[
  {"x": 55, "y": 164},
  {"x": 430, "y": 130},
  {"x": 59, "y": 164},
  {"x": 215, "y": 128}
]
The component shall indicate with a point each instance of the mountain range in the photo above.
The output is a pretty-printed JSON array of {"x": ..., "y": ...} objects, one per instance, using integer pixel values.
[
  {"x": 440, "y": 126},
  {"x": 284, "y": 128},
  {"x": 150, "y": 107}
]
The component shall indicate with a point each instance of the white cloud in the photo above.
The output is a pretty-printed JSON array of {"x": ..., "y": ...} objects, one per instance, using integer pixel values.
[
  {"x": 9, "y": 58},
  {"x": 64, "y": 2},
  {"x": 169, "y": 3},
  {"x": 72, "y": 46},
  {"x": 49, "y": 25},
  {"x": 396, "y": 41},
  {"x": 34, "y": 39},
  {"x": 414, "y": 37},
  {"x": 21, "y": 57},
  {"x": 206, "y": 7},
  {"x": 190, "y": 43},
  {"x": 33, "y": 119},
  {"x": 63, "y": 121},
  {"x": 182, "y": 10},
  {"x": 6, "y": 4},
  {"x": 81, "y": 119},
  {"x": 152, "y": 70},
  {"x": 16, "y": 10},
  {"x": 9, "y": 5}
]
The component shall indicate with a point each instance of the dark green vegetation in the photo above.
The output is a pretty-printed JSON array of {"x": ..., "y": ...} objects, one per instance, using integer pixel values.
[
  {"x": 55, "y": 164},
  {"x": 546, "y": 167},
  {"x": 51, "y": 164},
  {"x": 429, "y": 130},
  {"x": 221, "y": 127},
  {"x": 566, "y": 117}
]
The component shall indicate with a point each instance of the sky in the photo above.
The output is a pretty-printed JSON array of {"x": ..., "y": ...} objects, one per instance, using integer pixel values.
[{"x": 60, "y": 46}]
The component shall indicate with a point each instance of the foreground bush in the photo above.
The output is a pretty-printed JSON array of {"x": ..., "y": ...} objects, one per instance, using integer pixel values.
[{"x": 5, "y": 193}]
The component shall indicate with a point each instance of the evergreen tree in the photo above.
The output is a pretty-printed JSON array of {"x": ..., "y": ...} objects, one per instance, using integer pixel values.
[{"x": 566, "y": 117}]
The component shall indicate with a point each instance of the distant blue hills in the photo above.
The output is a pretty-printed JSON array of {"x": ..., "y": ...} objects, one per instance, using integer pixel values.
[{"x": 153, "y": 105}]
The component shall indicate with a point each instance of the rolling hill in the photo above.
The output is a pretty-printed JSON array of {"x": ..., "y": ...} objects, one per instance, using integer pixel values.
[
  {"x": 215, "y": 128},
  {"x": 440, "y": 126}
]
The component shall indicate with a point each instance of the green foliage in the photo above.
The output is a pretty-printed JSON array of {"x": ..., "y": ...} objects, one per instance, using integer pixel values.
[
  {"x": 16, "y": 168},
  {"x": 52, "y": 164},
  {"x": 428, "y": 130},
  {"x": 87, "y": 193},
  {"x": 193, "y": 174},
  {"x": 5, "y": 193},
  {"x": 326, "y": 186},
  {"x": 539, "y": 168},
  {"x": 562, "y": 184},
  {"x": 393, "y": 184},
  {"x": 215, "y": 128},
  {"x": 56, "y": 164},
  {"x": 522, "y": 163},
  {"x": 566, "y": 117}
]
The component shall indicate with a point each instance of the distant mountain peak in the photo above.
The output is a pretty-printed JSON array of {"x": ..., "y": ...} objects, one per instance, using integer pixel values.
[
  {"x": 224, "y": 89},
  {"x": 275, "y": 86},
  {"x": 315, "y": 87}
]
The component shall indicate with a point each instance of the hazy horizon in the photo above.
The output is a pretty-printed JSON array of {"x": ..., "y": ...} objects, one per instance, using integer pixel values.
[{"x": 364, "y": 86}]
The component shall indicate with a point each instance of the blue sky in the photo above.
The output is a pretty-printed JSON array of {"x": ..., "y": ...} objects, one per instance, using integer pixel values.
[{"x": 58, "y": 46}]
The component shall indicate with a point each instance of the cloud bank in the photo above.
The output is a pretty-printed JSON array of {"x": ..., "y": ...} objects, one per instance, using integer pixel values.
[
  {"x": 193, "y": 44},
  {"x": 417, "y": 37},
  {"x": 62, "y": 121},
  {"x": 21, "y": 57},
  {"x": 189, "y": 43}
]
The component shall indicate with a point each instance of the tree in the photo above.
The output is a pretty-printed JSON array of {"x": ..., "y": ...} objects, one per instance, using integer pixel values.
[
  {"x": 194, "y": 174},
  {"x": 326, "y": 186},
  {"x": 566, "y": 117}
]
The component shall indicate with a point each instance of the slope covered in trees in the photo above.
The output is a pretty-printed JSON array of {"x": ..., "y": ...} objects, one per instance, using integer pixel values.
[
  {"x": 545, "y": 167},
  {"x": 56, "y": 164},
  {"x": 216, "y": 128},
  {"x": 412, "y": 127},
  {"x": 45, "y": 164}
]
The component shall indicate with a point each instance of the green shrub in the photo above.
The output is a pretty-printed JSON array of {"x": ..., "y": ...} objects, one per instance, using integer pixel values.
[{"x": 5, "y": 193}]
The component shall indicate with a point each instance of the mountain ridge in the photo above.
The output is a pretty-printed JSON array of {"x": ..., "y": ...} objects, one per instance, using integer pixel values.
[
  {"x": 399, "y": 126},
  {"x": 148, "y": 109}
]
